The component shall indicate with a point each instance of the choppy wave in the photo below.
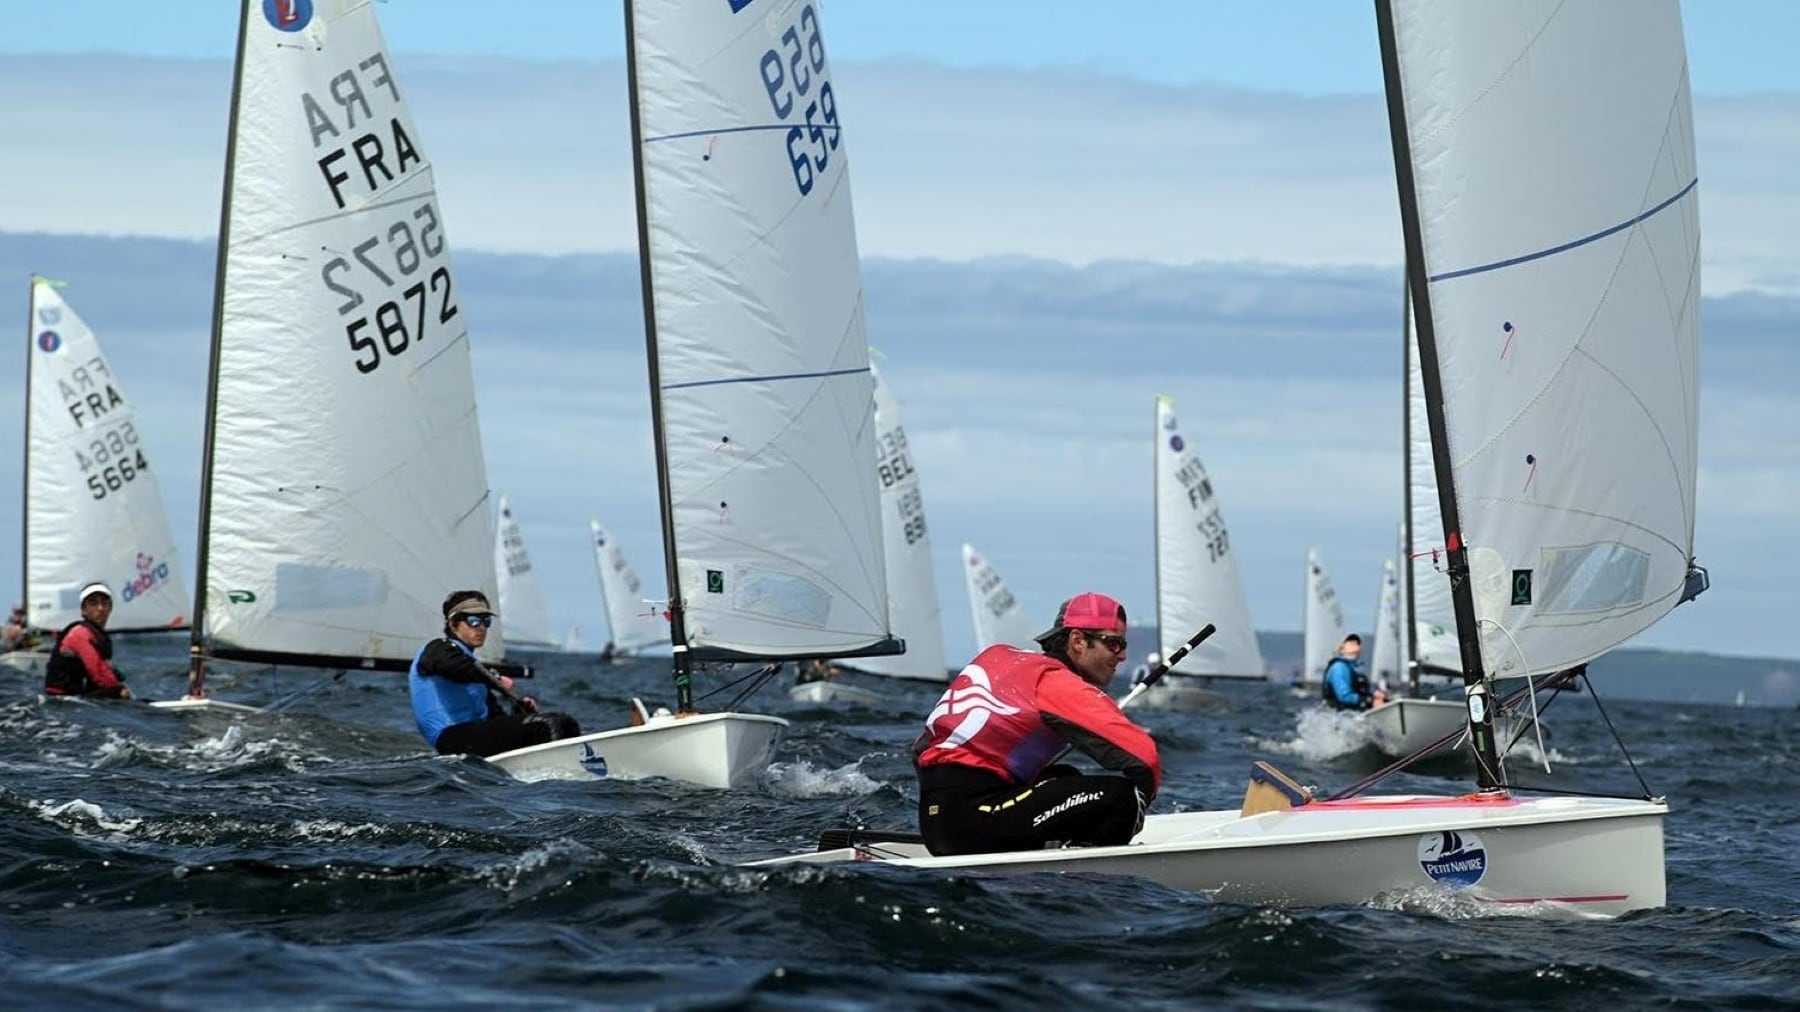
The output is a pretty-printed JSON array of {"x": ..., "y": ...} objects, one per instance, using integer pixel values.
[{"x": 326, "y": 858}]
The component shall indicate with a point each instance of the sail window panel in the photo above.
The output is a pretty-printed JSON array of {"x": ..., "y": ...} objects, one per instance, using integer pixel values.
[
  {"x": 1592, "y": 578},
  {"x": 784, "y": 597},
  {"x": 302, "y": 587}
]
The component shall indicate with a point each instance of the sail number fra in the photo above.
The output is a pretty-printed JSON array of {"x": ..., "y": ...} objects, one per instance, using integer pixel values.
[
  {"x": 791, "y": 72},
  {"x": 389, "y": 258}
]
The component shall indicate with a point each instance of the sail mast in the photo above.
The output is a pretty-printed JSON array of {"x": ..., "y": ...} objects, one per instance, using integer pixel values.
[
  {"x": 1410, "y": 623},
  {"x": 684, "y": 690},
  {"x": 25, "y": 480},
  {"x": 1481, "y": 719},
  {"x": 1156, "y": 512},
  {"x": 197, "y": 622}
]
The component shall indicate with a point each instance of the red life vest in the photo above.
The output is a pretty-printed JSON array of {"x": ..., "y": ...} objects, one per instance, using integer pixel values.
[{"x": 1010, "y": 712}]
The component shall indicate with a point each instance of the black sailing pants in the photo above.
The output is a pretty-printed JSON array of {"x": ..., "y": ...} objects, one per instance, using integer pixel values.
[
  {"x": 503, "y": 734},
  {"x": 963, "y": 810}
]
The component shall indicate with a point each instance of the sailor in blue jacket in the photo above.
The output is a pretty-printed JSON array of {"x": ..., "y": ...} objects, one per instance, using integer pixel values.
[
  {"x": 1345, "y": 686},
  {"x": 455, "y": 699}
]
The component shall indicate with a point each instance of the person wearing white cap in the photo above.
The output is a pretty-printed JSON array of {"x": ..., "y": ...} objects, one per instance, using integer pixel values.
[{"x": 81, "y": 662}]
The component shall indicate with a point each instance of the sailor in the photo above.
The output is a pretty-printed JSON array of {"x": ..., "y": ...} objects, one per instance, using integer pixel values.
[
  {"x": 457, "y": 702},
  {"x": 985, "y": 783},
  {"x": 1345, "y": 686},
  {"x": 81, "y": 662}
]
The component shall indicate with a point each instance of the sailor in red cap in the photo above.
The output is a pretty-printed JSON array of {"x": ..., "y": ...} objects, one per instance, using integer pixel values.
[{"x": 985, "y": 779}]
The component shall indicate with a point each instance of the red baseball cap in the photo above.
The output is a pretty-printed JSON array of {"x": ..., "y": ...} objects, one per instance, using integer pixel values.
[{"x": 1087, "y": 611}]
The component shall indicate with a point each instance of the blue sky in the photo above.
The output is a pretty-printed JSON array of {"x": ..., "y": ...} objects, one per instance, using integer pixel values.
[{"x": 1309, "y": 47}]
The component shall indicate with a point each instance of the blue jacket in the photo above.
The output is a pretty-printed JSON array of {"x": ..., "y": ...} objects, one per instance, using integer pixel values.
[
  {"x": 442, "y": 693},
  {"x": 1344, "y": 688}
]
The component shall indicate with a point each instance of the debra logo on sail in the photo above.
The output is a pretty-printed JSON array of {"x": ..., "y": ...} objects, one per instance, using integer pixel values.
[{"x": 150, "y": 575}]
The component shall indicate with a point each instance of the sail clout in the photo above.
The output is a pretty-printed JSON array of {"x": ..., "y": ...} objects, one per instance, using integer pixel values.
[
  {"x": 633, "y": 621},
  {"x": 522, "y": 607},
  {"x": 93, "y": 510},
  {"x": 1323, "y": 621},
  {"x": 760, "y": 360},
  {"x": 912, "y": 587},
  {"x": 1196, "y": 571},
  {"x": 1433, "y": 613},
  {"x": 346, "y": 492},
  {"x": 1552, "y": 155},
  {"x": 999, "y": 617}
]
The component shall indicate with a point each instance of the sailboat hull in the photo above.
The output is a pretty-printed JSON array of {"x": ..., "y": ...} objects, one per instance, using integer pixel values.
[
  {"x": 722, "y": 750},
  {"x": 1183, "y": 695},
  {"x": 1579, "y": 856},
  {"x": 834, "y": 692},
  {"x": 1401, "y": 727},
  {"x": 32, "y": 662}
]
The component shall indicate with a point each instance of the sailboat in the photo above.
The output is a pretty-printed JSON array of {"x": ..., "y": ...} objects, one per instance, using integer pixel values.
[
  {"x": 999, "y": 617},
  {"x": 572, "y": 642},
  {"x": 522, "y": 605},
  {"x": 1386, "y": 651},
  {"x": 760, "y": 394},
  {"x": 1196, "y": 577},
  {"x": 1565, "y": 457},
  {"x": 633, "y": 622},
  {"x": 343, "y": 489},
  {"x": 1322, "y": 625},
  {"x": 92, "y": 507},
  {"x": 1426, "y": 704},
  {"x": 913, "y": 613}
]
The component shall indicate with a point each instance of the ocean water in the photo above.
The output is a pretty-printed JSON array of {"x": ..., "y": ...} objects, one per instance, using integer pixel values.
[{"x": 321, "y": 857}]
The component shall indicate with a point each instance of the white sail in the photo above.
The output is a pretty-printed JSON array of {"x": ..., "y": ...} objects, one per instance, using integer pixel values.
[
  {"x": 347, "y": 492},
  {"x": 522, "y": 608},
  {"x": 1323, "y": 621},
  {"x": 1434, "y": 615},
  {"x": 1553, "y": 159},
  {"x": 634, "y": 622},
  {"x": 999, "y": 617},
  {"x": 93, "y": 510},
  {"x": 913, "y": 613},
  {"x": 572, "y": 642},
  {"x": 1387, "y": 653},
  {"x": 1196, "y": 573},
  {"x": 760, "y": 351}
]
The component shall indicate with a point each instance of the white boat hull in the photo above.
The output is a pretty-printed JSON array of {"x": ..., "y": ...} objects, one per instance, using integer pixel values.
[
  {"x": 1182, "y": 696},
  {"x": 723, "y": 750},
  {"x": 31, "y": 662},
  {"x": 826, "y": 691},
  {"x": 1401, "y": 727},
  {"x": 1589, "y": 856}
]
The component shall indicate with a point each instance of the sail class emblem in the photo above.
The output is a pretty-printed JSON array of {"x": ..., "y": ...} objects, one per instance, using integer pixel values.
[
  {"x": 288, "y": 15},
  {"x": 50, "y": 316},
  {"x": 49, "y": 341},
  {"x": 1454, "y": 857}
]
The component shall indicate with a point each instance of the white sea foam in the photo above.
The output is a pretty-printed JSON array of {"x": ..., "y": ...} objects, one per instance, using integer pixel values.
[
  {"x": 799, "y": 780},
  {"x": 84, "y": 818},
  {"x": 1321, "y": 735}
]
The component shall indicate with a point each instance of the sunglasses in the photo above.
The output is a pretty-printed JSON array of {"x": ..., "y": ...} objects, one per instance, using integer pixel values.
[
  {"x": 475, "y": 621},
  {"x": 1112, "y": 641}
]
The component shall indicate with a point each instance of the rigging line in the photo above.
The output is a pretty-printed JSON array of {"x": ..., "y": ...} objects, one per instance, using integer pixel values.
[
  {"x": 769, "y": 378},
  {"x": 1531, "y": 685},
  {"x": 350, "y": 212},
  {"x": 1572, "y": 244},
  {"x": 752, "y": 128},
  {"x": 1615, "y": 733}
]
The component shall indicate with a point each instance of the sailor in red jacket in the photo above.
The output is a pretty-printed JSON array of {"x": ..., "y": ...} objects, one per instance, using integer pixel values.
[
  {"x": 81, "y": 662},
  {"x": 985, "y": 783}
]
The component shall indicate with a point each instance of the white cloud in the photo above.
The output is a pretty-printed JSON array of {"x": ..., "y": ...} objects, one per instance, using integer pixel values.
[{"x": 949, "y": 163}]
